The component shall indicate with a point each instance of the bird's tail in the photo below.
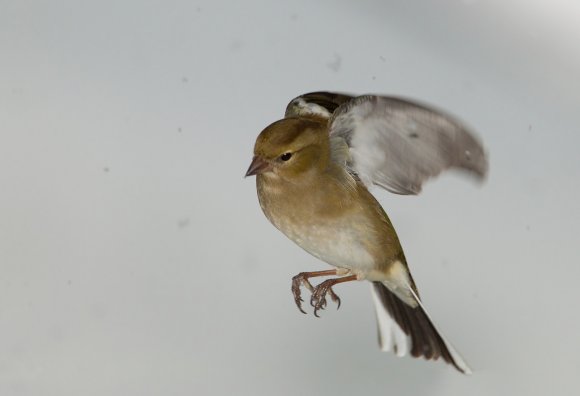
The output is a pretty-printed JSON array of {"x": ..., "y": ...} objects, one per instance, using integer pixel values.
[{"x": 405, "y": 329}]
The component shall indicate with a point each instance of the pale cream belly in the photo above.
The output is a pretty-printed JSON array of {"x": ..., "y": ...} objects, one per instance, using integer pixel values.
[{"x": 334, "y": 242}]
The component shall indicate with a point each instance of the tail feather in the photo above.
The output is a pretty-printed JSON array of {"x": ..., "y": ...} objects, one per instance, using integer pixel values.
[{"x": 405, "y": 329}]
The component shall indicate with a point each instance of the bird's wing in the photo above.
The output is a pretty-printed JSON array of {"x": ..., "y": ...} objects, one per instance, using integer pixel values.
[
  {"x": 321, "y": 104},
  {"x": 394, "y": 143}
]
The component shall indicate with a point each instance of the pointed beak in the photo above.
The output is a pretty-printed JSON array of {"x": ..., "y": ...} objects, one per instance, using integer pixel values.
[{"x": 258, "y": 166}]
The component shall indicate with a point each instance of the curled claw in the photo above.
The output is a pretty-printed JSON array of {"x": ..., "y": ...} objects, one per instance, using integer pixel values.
[
  {"x": 317, "y": 303},
  {"x": 297, "y": 281},
  {"x": 297, "y": 298},
  {"x": 318, "y": 299},
  {"x": 334, "y": 298}
]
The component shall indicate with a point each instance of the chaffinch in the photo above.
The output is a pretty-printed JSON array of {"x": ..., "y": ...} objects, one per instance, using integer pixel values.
[{"x": 313, "y": 169}]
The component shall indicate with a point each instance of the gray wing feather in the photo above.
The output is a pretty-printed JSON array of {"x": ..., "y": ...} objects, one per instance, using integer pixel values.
[{"x": 398, "y": 145}]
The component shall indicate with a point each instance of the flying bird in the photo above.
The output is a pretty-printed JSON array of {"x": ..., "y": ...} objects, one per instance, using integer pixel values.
[{"x": 313, "y": 172}]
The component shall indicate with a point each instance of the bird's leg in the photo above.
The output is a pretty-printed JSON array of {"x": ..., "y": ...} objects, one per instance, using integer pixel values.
[
  {"x": 302, "y": 280},
  {"x": 318, "y": 299}
]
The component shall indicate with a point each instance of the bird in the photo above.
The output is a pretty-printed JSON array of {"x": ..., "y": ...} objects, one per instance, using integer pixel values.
[{"x": 314, "y": 170}]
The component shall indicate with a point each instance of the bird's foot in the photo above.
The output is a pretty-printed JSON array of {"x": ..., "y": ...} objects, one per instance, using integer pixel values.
[
  {"x": 297, "y": 281},
  {"x": 318, "y": 298}
]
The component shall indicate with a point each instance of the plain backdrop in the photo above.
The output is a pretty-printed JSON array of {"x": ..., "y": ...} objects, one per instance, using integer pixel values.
[{"x": 134, "y": 257}]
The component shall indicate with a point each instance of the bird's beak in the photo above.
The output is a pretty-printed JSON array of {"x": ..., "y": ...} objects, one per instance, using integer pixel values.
[{"x": 258, "y": 166}]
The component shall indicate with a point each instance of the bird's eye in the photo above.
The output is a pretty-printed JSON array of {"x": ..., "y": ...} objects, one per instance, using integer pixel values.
[{"x": 286, "y": 156}]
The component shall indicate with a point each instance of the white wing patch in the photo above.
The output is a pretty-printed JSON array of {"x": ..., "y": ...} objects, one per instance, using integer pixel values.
[{"x": 300, "y": 107}]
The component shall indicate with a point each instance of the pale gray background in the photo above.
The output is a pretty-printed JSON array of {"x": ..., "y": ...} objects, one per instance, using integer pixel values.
[{"x": 134, "y": 258}]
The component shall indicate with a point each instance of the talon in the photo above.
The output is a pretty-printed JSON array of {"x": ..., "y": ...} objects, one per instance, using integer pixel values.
[
  {"x": 298, "y": 281},
  {"x": 318, "y": 297},
  {"x": 318, "y": 306},
  {"x": 318, "y": 301},
  {"x": 334, "y": 298},
  {"x": 296, "y": 292},
  {"x": 299, "y": 305}
]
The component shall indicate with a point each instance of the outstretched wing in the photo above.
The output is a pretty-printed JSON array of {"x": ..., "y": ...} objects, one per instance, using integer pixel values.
[{"x": 398, "y": 144}]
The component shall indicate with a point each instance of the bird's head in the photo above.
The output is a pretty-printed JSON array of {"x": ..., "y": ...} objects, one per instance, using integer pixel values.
[{"x": 290, "y": 148}]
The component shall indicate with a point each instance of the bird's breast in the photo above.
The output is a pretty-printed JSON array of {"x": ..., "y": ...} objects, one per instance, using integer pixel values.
[
  {"x": 337, "y": 244},
  {"x": 339, "y": 234}
]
